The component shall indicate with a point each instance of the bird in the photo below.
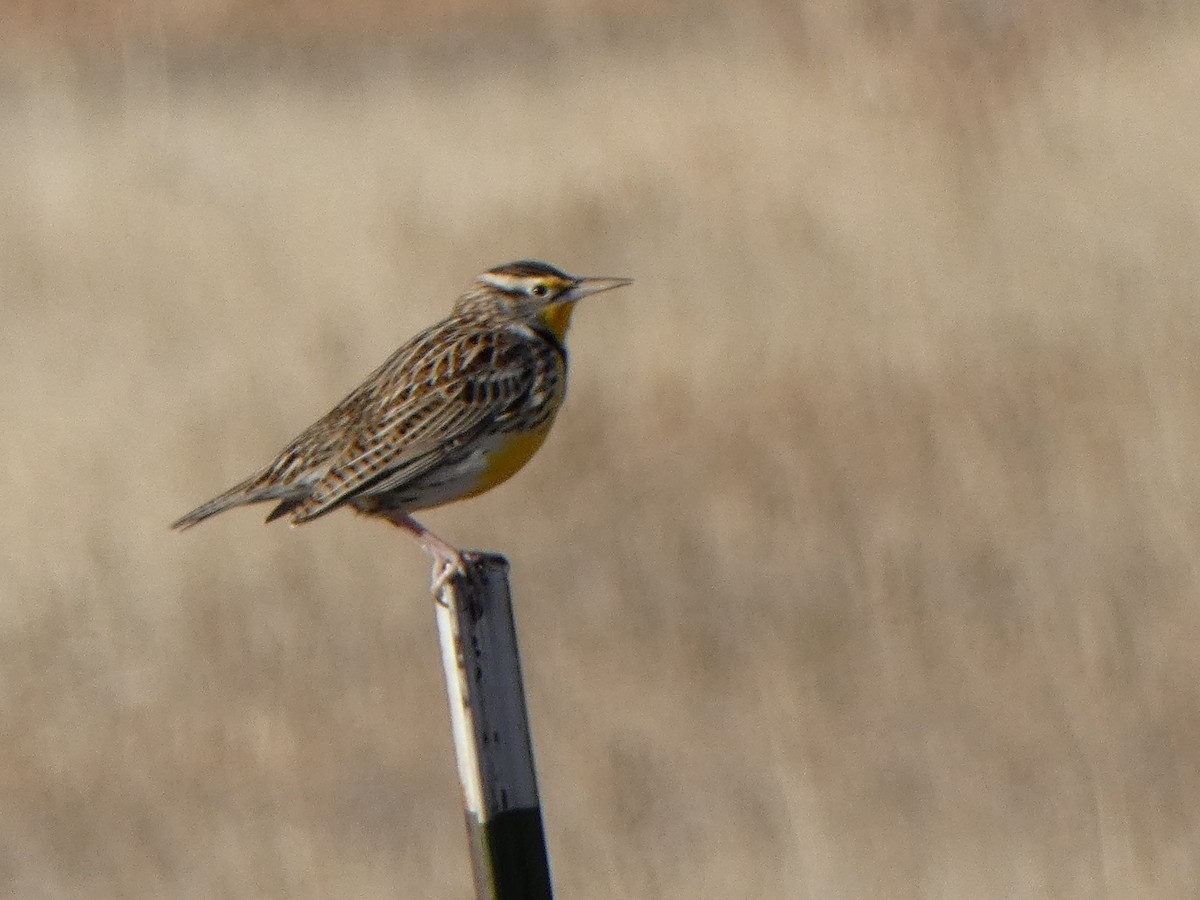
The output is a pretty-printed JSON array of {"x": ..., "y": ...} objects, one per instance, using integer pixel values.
[{"x": 454, "y": 412}]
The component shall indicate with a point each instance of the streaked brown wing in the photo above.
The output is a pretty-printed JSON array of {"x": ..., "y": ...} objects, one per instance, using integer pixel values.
[{"x": 460, "y": 393}]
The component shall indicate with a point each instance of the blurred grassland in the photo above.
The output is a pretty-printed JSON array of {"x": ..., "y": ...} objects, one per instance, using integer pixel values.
[{"x": 861, "y": 563}]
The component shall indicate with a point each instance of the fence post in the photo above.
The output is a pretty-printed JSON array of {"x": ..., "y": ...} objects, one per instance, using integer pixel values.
[{"x": 491, "y": 732}]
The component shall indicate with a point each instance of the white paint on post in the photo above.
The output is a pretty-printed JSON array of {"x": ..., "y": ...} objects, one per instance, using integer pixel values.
[{"x": 461, "y": 722}]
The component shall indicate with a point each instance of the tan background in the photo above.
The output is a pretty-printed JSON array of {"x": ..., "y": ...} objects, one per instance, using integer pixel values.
[{"x": 863, "y": 560}]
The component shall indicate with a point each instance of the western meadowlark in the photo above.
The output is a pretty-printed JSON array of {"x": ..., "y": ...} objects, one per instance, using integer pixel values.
[{"x": 453, "y": 413}]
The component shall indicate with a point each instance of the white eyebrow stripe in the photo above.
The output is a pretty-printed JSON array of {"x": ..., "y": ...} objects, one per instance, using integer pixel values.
[{"x": 506, "y": 283}]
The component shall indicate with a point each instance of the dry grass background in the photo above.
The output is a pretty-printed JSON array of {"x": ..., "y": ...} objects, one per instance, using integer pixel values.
[{"x": 863, "y": 560}]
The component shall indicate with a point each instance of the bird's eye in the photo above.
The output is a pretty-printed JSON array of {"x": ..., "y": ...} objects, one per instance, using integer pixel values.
[{"x": 539, "y": 290}]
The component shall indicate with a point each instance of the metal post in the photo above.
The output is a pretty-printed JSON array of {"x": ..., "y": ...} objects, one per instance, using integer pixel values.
[{"x": 491, "y": 732}]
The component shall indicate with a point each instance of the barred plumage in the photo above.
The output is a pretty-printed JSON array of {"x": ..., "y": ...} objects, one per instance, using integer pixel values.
[{"x": 455, "y": 411}]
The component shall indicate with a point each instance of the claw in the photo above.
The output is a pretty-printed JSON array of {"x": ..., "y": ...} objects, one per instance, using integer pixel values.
[{"x": 444, "y": 569}]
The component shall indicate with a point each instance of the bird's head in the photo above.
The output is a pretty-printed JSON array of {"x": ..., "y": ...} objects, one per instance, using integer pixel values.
[{"x": 533, "y": 292}]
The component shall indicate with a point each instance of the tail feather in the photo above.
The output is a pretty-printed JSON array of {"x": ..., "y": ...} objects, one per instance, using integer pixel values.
[
  {"x": 248, "y": 491},
  {"x": 284, "y": 508}
]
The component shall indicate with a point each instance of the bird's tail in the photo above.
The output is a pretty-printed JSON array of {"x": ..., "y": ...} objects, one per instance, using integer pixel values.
[{"x": 248, "y": 491}]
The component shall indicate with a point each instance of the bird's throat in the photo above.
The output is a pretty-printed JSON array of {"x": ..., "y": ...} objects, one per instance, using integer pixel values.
[{"x": 557, "y": 317}]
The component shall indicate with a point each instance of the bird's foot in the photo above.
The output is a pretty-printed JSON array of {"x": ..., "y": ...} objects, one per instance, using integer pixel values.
[
  {"x": 447, "y": 559},
  {"x": 446, "y": 565}
]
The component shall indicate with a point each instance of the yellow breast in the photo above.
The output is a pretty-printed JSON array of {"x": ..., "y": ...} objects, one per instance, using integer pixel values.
[{"x": 506, "y": 459}]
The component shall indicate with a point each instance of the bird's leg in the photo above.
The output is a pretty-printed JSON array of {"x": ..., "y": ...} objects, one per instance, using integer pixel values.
[{"x": 447, "y": 560}]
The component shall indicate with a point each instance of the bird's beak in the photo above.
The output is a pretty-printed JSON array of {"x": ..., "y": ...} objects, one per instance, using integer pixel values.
[{"x": 587, "y": 286}]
